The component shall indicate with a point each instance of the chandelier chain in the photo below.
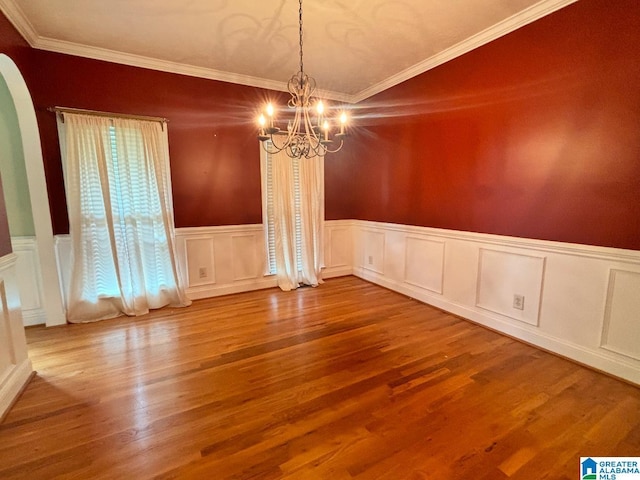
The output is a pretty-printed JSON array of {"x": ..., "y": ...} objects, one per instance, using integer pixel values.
[{"x": 300, "y": 23}]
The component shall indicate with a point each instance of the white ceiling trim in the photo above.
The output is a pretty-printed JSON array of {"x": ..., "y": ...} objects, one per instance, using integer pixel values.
[
  {"x": 529, "y": 15},
  {"x": 97, "y": 53}
]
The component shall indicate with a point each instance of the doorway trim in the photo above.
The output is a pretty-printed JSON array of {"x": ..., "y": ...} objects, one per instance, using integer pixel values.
[{"x": 34, "y": 164}]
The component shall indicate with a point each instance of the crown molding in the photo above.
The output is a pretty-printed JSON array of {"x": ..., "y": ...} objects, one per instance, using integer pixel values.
[
  {"x": 18, "y": 19},
  {"x": 15, "y": 15},
  {"x": 98, "y": 53},
  {"x": 520, "y": 19}
]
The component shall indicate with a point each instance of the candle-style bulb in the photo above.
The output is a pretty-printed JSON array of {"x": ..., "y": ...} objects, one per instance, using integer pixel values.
[
  {"x": 270, "y": 109},
  {"x": 320, "y": 107},
  {"x": 343, "y": 122},
  {"x": 262, "y": 121}
]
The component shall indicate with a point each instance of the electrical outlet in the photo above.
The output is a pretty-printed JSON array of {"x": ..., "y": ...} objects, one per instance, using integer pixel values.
[
  {"x": 370, "y": 259},
  {"x": 518, "y": 302},
  {"x": 202, "y": 272}
]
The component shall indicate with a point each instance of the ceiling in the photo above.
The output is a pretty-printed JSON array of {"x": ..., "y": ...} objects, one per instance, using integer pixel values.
[{"x": 353, "y": 48}]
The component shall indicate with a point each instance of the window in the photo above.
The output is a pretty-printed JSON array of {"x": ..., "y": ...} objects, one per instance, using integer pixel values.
[
  {"x": 118, "y": 192},
  {"x": 269, "y": 212},
  {"x": 293, "y": 218}
]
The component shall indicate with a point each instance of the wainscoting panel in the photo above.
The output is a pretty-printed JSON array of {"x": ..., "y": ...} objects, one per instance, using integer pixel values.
[
  {"x": 621, "y": 332},
  {"x": 510, "y": 284},
  {"x": 233, "y": 254},
  {"x": 199, "y": 256},
  {"x": 339, "y": 251},
  {"x": 245, "y": 257},
  {"x": 569, "y": 304},
  {"x": 29, "y": 280},
  {"x": 373, "y": 250},
  {"x": 424, "y": 263}
]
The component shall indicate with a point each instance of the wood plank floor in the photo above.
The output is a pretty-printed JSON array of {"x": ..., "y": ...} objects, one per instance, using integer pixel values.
[{"x": 344, "y": 381}]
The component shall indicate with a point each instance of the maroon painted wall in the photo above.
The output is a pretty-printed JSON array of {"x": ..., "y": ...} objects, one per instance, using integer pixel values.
[
  {"x": 13, "y": 45},
  {"x": 215, "y": 163},
  {"x": 536, "y": 135},
  {"x": 215, "y": 160}
]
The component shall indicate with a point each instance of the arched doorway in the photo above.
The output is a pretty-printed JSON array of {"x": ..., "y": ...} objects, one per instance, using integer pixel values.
[{"x": 31, "y": 149}]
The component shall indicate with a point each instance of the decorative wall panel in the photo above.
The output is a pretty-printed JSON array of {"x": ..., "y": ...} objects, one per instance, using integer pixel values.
[
  {"x": 424, "y": 263},
  {"x": 510, "y": 284},
  {"x": 200, "y": 266},
  {"x": 244, "y": 256},
  {"x": 621, "y": 326},
  {"x": 373, "y": 249}
]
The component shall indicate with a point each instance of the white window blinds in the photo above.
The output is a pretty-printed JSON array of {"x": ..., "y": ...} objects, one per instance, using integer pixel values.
[{"x": 293, "y": 217}]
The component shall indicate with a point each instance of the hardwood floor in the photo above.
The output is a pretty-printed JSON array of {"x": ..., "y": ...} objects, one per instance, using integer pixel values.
[{"x": 344, "y": 381}]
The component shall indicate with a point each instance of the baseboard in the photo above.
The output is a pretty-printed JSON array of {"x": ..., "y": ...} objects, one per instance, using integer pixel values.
[
  {"x": 206, "y": 291},
  {"x": 332, "y": 272},
  {"x": 13, "y": 384}
]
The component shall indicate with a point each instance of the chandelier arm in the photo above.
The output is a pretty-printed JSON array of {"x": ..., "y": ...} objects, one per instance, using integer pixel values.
[
  {"x": 327, "y": 150},
  {"x": 271, "y": 151}
]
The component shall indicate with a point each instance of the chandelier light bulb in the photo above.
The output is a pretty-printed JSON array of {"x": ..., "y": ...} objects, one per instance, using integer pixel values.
[{"x": 343, "y": 122}]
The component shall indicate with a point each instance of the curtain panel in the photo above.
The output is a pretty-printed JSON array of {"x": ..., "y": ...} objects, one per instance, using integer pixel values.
[
  {"x": 293, "y": 214},
  {"x": 118, "y": 191}
]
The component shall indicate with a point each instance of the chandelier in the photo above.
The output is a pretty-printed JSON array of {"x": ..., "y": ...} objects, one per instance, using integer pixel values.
[{"x": 308, "y": 132}]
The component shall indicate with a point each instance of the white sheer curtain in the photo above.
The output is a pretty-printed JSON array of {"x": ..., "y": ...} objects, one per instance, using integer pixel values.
[
  {"x": 118, "y": 190},
  {"x": 296, "y": 193}
]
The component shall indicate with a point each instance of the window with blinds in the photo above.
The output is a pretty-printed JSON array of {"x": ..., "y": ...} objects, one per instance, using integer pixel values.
[{"x": 269, "y": 218}]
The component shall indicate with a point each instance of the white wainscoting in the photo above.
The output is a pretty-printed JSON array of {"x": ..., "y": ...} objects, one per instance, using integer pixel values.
[
  {"x": 29, "y": 279},
  {"x": 15, "y": 366},
  {"x": 230, "y": 259},
  {"x": 222, "y": 260},
  {"x": 582, "y": 302},
  {"x": 503, "y": 275}
]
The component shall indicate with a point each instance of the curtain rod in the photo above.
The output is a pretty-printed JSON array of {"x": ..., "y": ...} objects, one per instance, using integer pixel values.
[{"x": 106, "y": 114}]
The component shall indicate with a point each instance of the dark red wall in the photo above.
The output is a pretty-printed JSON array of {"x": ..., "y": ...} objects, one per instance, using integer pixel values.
[
  {"x": 215, "y": 162},
  {"x": 13, "y": 45},
  {"x": 536, "y": 135}
]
